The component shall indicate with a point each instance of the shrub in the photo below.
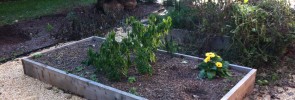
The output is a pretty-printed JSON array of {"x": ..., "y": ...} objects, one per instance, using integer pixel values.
[
  {"x": 114, "y": 58},
  {"x": 259, "y": 33}
]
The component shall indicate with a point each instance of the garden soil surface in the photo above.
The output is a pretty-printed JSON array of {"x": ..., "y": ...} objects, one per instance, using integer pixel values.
[{"x": 172, "y": 78}]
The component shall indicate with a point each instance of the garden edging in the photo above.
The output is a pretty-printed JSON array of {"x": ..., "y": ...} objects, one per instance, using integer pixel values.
[{"x": 92, "y": 90}]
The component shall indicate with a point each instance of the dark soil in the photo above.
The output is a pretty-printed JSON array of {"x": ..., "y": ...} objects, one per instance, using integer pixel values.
[
  {"x": 26, "y": 36},
  {"x": 30, "y": 35},
  {"x": 8, "y": 34},
  {"x": 171, "y": 79}
]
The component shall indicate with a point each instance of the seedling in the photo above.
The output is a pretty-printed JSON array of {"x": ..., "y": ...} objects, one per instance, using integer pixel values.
[
  {"x": 262, "y": 82},
  {"x": 79, "y": 68},
  {"x": 133, "y": 90},
  {"x": 37, "y": 55},
  {"x": 49, "y": 27},
  {"x": 131, "y": 79},
  {"x": 68, "y": 71},
  {"x": 274, "y": 77},
  {"x": 93, "y": 77},
  {"x": 2, "y": 59}
]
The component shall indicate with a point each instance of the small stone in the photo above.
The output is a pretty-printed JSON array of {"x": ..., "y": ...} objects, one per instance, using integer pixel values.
[
  {"x": 286, "y": 88},
  {"x": 194, "y": 67},
  {"x": 264, "y": 89},
  {"x": 184, "y": 62},
  {"x": 266, "y": 97},
  {"x": 49, "y": 88},
  {"x": 56, "y": 90},
  {"x": 196, "y": 96},
  {"x": 290, "y": 93},
  {"x": 31, "y": 98},
  {"x": 274, "y": 97},
  {"x": 69, "y": 96},
  {"x": 247, "y": 98},
  {"x": 280, "y": 90},
  {"x": 255, "y": 90}
]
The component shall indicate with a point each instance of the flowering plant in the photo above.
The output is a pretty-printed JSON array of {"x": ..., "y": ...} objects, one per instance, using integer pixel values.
[{"x": 212, "y": 66}]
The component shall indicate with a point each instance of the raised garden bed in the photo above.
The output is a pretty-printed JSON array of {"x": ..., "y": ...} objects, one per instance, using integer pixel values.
[{"x": 175, "y": 76}]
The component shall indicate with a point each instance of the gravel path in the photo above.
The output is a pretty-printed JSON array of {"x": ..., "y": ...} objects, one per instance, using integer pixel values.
[{"x": 14, "y": 85}]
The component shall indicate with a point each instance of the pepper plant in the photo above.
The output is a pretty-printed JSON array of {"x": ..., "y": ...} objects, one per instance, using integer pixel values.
[
  {"x": 114, "y": 58},
  {"x": 212, "y": 66}
]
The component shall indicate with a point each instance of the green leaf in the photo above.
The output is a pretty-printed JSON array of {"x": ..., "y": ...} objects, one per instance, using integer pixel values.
[
  {"x": 211, "y": 74},
  {"x": 225, "y": 64},
  {"x": 214, "y": 68},
  {"x": 202, "y": 74},
  {"x": 228, "y": 73}
]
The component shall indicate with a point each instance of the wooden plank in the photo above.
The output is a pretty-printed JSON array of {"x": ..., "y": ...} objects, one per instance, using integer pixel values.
[
  {"x": 75, "y": 84},
  {"x": 243, "y": 88}
]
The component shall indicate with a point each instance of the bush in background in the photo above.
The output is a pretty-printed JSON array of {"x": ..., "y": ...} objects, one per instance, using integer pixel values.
[{"x": 259, "y": 33}]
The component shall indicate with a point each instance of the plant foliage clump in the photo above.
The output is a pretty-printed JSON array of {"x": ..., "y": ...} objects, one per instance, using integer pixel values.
[
  {"x": 114, "y": 58},
  {"x": 213, "y": 66},
  {"x": 259, "y": 32}
]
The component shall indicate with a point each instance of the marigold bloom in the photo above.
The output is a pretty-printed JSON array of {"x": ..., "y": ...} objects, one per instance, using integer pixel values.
[
  {"x": 210, "y": 54},
  {"x": 218, "y": 64},
  {"x": 207, "y": 59},
  {"x": 246, "y": 1}
]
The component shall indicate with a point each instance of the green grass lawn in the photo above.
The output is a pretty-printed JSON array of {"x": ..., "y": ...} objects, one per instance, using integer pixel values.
[{"x": 28, "y": 9}]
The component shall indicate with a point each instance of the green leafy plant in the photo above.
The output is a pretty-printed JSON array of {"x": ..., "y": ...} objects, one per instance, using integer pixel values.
[
  {"x": 68, "y": 71},
  {"x": 49, "y": 27},
  {"x": 79, "y": 68},
  {"x": 93, "y": 77},
  {"x": 262, "y": 82},
  {"x": 37, "y": 55},
  {"x": 213, "y": 66},
  {"x": 114, "y": 58},
  {"x": 133, "y": 90},
  {"x": 131, "y": 79},
  {"x": 144, "y": 41},
  {"x": 110, "y": 59},
  {"x": 2, "y": 59}
]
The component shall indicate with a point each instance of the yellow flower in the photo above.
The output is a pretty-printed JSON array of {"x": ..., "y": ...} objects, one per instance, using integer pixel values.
[
  {"x": 207, "y": 59},
  {"x": 210, "y": 54},
  {"x": 246, "y": 1},
  {"x": 218, "y": 64}
]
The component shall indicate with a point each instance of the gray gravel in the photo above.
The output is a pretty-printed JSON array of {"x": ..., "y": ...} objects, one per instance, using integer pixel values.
[{"x": 14, "y": 85}]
